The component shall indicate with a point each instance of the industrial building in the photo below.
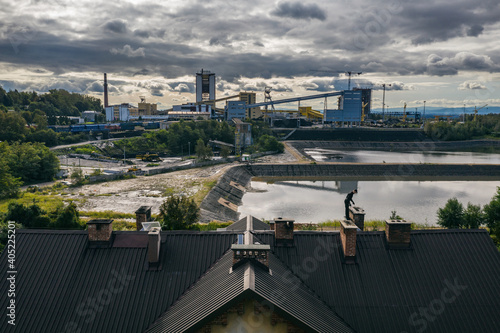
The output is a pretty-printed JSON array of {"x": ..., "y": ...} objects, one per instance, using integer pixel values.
[
  {"x": 235, "y": 109},
  {"x": 118, "y": 112},
  {"x": 353, "y": 106},
  {"x": 126, "y": 112},
  {"x": 251, "y": 98},
  {"x": 205, "y": 86},
  {"x": 349, "y": 108}
]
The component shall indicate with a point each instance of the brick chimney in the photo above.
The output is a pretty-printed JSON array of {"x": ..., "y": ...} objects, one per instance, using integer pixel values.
[
  {"x": 283, "y": 231},
  {"x": 143, "y": 214},
  {"x": 348, "y": 239},
  {"x": 245, "y": 252},
  {"x": 397, "y": 233},
  {"x": 100, "y": 232},
  {"x": 357, "y": 215},
  {"x": 154, "y": 242}
]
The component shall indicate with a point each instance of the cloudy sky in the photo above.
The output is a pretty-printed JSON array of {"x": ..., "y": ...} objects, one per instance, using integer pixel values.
[{"x": 446, "y": 52}]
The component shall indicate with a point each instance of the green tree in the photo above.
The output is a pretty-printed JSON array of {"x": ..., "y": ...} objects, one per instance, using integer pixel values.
[
  {"x": 13, "y": 127},
  {"x": 47, "y": 136},
  {"x": 492, "y": 216},
  {"x": 203, "y": 152},
  {"x": 451, "y": 216},
  {"x": 68, "y": 218},
  {"x": 225, "y": 151},
  {"x": 30, "y": 161},
  {"x": 178, "y": 212},
  {"x": 77, "y": 176},
  {"x": 29, "y": 216},
  {"x": 270, "y": 143},
  {"x": 9, "y": 185},
  {"x": 473, "y": 216}
]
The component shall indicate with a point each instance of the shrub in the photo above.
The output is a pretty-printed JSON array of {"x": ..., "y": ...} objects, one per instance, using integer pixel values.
[{"x": 178, "y": 212}]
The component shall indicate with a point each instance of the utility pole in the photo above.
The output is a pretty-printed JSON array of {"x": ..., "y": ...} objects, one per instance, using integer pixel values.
[
  {"x": 383, "y": 101},
  {"x": 424, "y": 114},
  {"x": 189, "y": 147}
]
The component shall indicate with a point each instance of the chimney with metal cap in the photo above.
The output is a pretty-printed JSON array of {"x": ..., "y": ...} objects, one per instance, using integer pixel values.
[
  {"x": 348, "y": 239},
  {"x": 357, "y": 215},
  {"x": 100, "y": 232},
  {"x": 252, "y": 252},
  {"x": 283, "y": 231},
  {"x": 154, "y": 242},
  {"x": 397, "y": 233}
]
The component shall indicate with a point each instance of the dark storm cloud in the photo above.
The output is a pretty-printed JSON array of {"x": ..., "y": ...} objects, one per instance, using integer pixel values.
[
  {"x": 297, "y": 10},
  {"x": 219, "y": 41},
  {"x": 425, "y": 23},
  {"x": 141, "y": 33},
  {"x": 437, "y": 65},
  {"x": 116, "y": 26},
  {"x": 178, "y": 40},
  {"x": 475, "y": 30}
]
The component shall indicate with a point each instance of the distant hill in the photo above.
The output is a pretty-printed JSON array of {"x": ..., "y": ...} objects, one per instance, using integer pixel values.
[{"x": 432, "y": 111}]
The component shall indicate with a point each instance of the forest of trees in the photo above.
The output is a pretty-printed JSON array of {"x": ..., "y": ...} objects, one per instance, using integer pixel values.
[
  {"x": 34, "y": 112},
  {"x": 470, "y": 129},
  {"x": 57, "y": 102},
  {"x": 455, "y": 216},
  {"x": 24, "y": 163}
]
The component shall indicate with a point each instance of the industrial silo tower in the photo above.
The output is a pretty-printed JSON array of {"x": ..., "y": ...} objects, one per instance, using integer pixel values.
[{"x": 205, "y": 86}]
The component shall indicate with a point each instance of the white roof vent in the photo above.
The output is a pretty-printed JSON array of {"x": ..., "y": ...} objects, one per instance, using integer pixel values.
[{"x": 147, "y": 226}]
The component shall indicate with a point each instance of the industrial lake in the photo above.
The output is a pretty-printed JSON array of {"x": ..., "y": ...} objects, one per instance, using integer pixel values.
[
  {"x": 319, "y": 201},
  {"x": 416, "y": 201}
]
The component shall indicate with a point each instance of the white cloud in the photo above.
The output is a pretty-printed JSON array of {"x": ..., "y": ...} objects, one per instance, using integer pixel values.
[
  {"x": 471, "y": 85},
  {"x": 129, "y": 51}
]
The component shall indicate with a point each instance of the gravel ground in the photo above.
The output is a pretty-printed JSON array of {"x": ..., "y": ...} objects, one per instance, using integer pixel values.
[{"x": 128, "y": 195}]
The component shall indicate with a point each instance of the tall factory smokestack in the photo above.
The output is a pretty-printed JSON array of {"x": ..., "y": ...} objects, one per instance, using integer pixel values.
[{"x": 105, "y": 91}]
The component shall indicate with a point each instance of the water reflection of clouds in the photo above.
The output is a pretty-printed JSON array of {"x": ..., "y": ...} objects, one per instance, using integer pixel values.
[
  {"x": 374, "y": 156},
  {"x": 416, "y": 201}
]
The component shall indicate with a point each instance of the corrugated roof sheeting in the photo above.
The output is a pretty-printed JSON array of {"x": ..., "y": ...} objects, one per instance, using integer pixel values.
[
  {"x": 213, "y": 290},
  {"x": 62, "y": 285},
  {"x": 386, "y": 289},
  {"x": 241, "y": 225},
  {"x": 285, "y": 291}
]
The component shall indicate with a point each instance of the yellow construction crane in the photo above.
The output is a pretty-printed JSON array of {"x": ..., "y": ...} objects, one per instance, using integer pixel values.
[
  {"x": 363, "y": 105},
  {"x": 476, "y": 109},
  {"x": 404, "y": 113}
]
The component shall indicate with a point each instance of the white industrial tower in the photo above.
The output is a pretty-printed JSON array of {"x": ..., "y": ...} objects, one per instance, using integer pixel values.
[{"x": 205, "y": 86}]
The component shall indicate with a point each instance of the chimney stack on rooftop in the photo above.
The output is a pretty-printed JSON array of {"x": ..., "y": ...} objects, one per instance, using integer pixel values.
[
  {"x": 357, "y": 215},
  {"x": 100, "y": 232},
  {"x": 246, "y": 252},
  {"x": 348, "y": 232},
  {"x": 143, "y": 214},
  {"x": 154, "y": 242},
  {"x": 397, "y": 233},
  {"x": 283, "y": 231}
]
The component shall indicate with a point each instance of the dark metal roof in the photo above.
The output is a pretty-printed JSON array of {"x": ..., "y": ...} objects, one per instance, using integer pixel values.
[
  {"x": 385, "y": 290},
  {"x": 241, "y": 225},
  {"x": 448, "y": 280},
  {"x": 62, "y": 285},
  {"x": 221, "y": 287}
]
